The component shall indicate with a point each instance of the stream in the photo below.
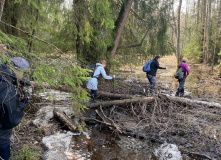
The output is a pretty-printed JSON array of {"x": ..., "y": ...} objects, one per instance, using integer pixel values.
[
  {"x": 94, "y": 144},
  {"x": 97, "y": 144}
]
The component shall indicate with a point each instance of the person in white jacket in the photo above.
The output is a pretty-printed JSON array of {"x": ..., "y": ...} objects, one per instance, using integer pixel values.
[{"x": 93, "y": 82}]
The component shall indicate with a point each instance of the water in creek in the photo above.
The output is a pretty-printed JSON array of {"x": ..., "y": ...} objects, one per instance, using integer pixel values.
[
  {"x": 95, "y": 144},
  {"x": 103, "y": 145}
]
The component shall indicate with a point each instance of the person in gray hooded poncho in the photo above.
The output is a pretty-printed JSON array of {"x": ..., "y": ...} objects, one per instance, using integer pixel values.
[{"x": 93, "y": 82}]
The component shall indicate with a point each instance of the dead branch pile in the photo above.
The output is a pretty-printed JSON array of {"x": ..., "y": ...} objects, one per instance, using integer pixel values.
[{"x": 191, "y": 127}]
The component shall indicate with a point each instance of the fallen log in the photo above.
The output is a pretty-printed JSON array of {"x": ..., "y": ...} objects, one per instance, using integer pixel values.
[
  {"x": 65, "y": 120},
  {"x": 100, "y": 93},
  {"x": 119, "y": 102},
  {"x": 114, "y": 95},
  {"x": 189, "y": 101}
]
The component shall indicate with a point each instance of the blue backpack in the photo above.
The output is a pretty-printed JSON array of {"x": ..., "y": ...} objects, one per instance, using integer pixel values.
[{"x": 146, "y": 67}]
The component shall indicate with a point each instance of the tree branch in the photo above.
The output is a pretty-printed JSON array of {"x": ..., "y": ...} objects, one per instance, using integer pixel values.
[
  {"x": 135, "y": 45},
  {"x": 52, "y": 45}
]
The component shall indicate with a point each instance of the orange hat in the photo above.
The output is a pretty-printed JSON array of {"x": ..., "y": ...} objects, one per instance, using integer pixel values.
[{"x": 184, "y": 60}]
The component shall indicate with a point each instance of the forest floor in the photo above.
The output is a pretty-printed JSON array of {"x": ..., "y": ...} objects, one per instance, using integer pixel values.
[{"x": 191, "y": 128}]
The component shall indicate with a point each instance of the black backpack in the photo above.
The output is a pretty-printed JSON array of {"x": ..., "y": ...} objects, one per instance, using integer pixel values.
[{"x": 92, "y": 68}]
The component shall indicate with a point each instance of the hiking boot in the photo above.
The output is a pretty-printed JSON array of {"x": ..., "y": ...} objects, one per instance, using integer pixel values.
[
  {"x": 177, "y": 94},
  {"x": 181, "y": 94},
  {"x": 148, "y": 93},
  {"x": 153, "y": 92}
]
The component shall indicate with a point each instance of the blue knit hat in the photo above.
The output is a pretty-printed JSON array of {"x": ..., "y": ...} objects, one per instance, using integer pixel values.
[{"x": 20, "y": 63}]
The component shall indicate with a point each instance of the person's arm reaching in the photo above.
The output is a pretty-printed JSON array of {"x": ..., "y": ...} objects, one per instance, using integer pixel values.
[
  {"x": 162, "y": 67},
  {"x": 158, "y": 66},
  {"x": 103, "y": 72}
]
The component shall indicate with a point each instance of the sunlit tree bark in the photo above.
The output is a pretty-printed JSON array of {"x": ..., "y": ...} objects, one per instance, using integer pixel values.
[{"x": 178, "y": 31}]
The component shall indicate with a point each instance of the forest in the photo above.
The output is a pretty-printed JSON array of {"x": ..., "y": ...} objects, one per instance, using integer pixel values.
[{"x": 125, "y": 119}]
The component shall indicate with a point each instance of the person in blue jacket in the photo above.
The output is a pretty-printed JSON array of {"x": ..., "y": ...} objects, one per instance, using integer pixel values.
[
  {"x": 93, "y": 82},
  {"x": 12, "y": 103}
]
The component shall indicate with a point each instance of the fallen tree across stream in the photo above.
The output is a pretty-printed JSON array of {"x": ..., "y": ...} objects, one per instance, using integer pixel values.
[
  {"x": 180, "y": 100},
  {"x": 119, "y": 102},
  {"x": 100, "y": 93}
]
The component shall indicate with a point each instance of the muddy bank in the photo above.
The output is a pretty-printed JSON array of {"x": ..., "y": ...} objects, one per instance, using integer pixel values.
[{"x": 26, "y": 142}]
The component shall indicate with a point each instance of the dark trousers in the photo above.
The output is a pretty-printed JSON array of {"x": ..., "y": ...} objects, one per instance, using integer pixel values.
[
  {"x": 93, "y": 93},
  {"x": 4, "y": 151},
  {"x": 5, "y": 143},
  {"x": 180, "y": 89},
  {"x": 152, "y": 80}
]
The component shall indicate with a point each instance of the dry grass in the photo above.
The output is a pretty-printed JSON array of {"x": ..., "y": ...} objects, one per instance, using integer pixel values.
[{"x": 201, "y": 83}]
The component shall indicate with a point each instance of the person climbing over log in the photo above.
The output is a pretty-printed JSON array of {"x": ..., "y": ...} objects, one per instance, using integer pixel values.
[
  {"x": 181, "y": 74},
  {"x": 151, "y": 69},
  {"x": 12, "y": 101},
  {"x": 93, "y": 82}
]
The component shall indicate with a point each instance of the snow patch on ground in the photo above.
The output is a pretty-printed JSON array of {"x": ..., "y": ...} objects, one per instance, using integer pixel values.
[
  {"x": 168, "y": 152},
  {"x": 55, "y": 95},
  {"x": 58, "y": 146},
  {"x": 45, "y": 113}
]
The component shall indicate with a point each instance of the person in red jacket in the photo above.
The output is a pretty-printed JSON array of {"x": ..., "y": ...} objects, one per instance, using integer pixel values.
[{"x": 186, "y": 72}]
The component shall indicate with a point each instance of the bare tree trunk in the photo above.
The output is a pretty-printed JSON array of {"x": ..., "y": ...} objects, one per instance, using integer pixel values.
[
  {"x": 2, "y": 3},
  {"x": 30, "y": 43},
  {"x": 78, "y": 12},
  {"x": 187, "y": 14},
  {"x": 218, "y": 22},
  {"x": 197, "y": 15},
  {"x": 174, "y": 20},
  {"x": 123, "y": 102},
  {"x": 178, "y": 31},
  {"x": 121, "y": 24},
  {"x": 219, "y": 12},
  {"x": 204, "y": 22},
  {"x": 207, "y": 32},
  {"x": 214, "y": 52}
]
